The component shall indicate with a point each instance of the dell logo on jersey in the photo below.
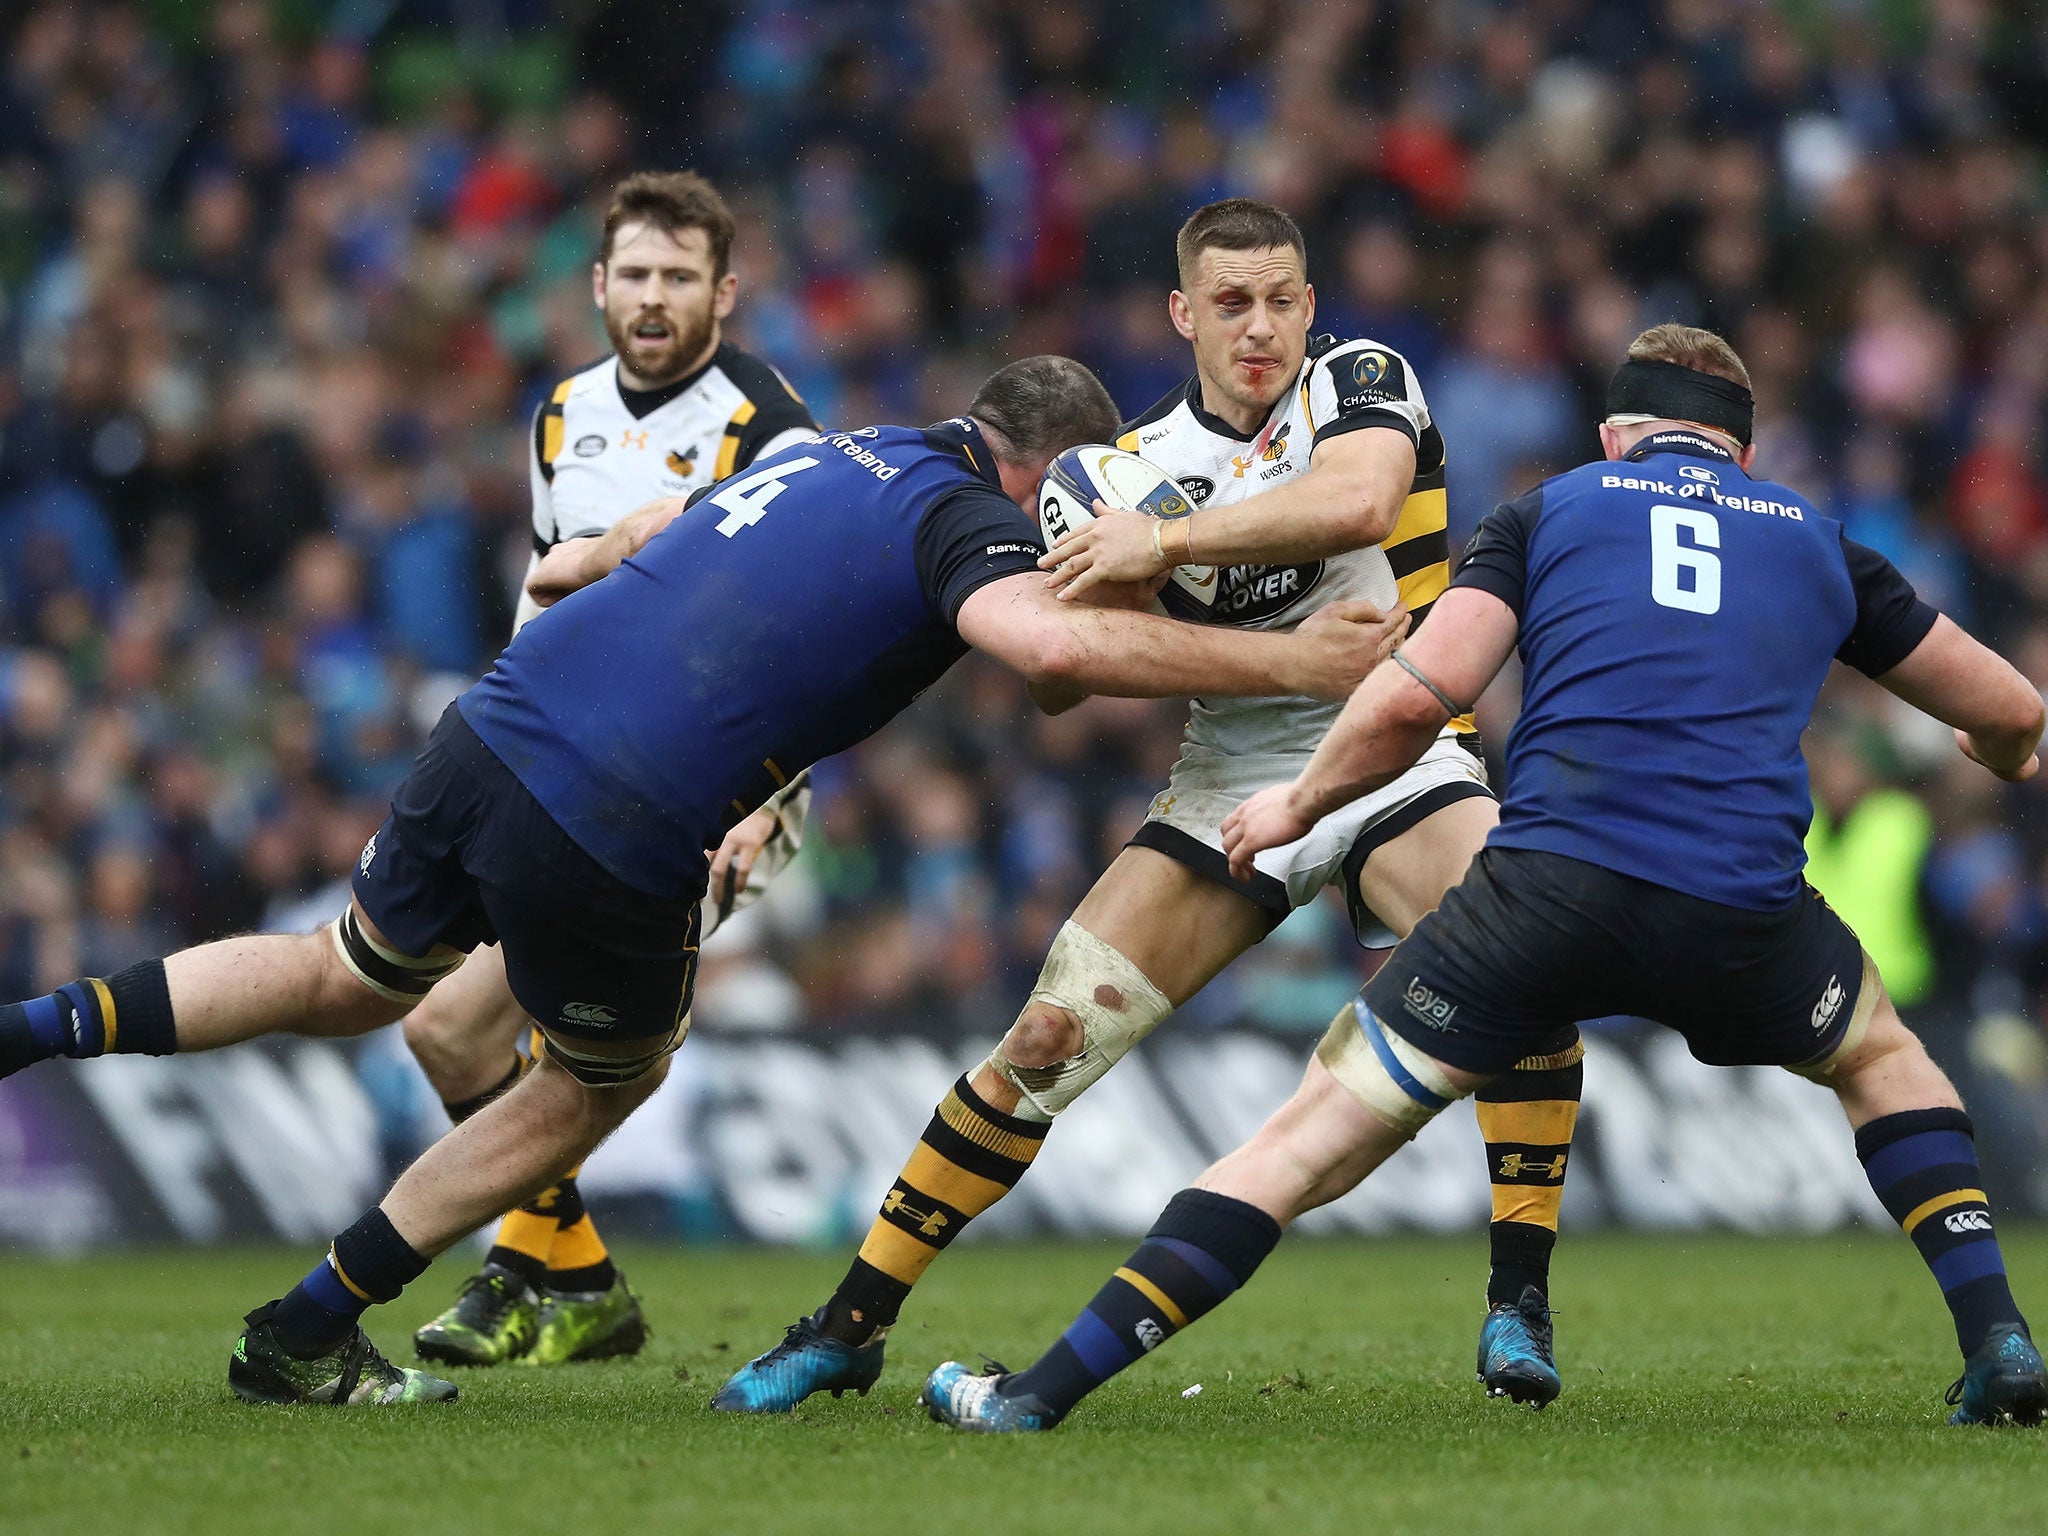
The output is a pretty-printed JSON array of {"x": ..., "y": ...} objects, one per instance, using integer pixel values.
[
  {"x": 1968, "y": 1221},
  {"x": 1696, "y": 472},
  {"x": 587, "y": 1013},
  {"x": 1830, "y": 1003}
]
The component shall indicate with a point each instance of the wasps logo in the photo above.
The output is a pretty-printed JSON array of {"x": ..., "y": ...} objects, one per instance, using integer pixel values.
[
  {"x": 1272, "y": 453},
  {"x": 1369, "y": 368},
  {"x": 682, "y": 464}
]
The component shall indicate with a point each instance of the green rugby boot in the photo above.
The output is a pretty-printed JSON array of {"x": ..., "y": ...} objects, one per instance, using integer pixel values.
[
  {"x": 351, "y": 1375},
  {"x": 588, "y": 1325},
  {"x": 493, "y": 1320}
]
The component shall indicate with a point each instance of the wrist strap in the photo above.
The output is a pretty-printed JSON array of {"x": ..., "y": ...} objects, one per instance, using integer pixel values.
[
  {"x": 1441, "y": 697},
  {"x": 1158, "y": 549}
]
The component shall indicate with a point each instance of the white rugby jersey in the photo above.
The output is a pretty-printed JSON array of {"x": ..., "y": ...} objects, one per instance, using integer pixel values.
[
  {"x": 1343, "y": 386},
  {"x": 601, "y": 450}
]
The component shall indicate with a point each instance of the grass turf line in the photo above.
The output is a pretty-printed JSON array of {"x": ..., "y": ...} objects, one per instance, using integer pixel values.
[{"x": 1712, "y": 1384}]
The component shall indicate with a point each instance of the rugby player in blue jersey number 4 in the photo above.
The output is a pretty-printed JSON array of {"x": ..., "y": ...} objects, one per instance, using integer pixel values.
[
  {"x": 1676, "y": 619},
  {"x": 563, "y": 806}
]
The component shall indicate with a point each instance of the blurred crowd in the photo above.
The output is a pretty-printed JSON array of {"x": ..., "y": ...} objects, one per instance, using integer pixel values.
[{"x": 280, "y": 285}]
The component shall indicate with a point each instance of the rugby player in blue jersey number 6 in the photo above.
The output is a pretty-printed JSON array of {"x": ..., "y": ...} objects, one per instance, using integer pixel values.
[
  {"x": 564, "y": 804},
  {"x": 1676, "y": 619}
]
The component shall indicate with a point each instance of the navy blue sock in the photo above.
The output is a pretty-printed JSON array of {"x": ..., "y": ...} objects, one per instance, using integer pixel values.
[
  {"x": 1202, "y": 1248},
  {"x": 368, "y": 1264},
  {"x": 129, "y": 1011},
  {"x": 1923, "y": 1165}
]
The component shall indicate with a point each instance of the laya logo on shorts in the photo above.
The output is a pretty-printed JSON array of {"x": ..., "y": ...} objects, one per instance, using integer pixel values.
[
  {"x": 1968, "y": 1221},
  {"x": 1428, "y": 1006},
  {"x": 1150, "y": 1334},
  {"x": 587, "y": 1013},
  {"x": 1829, "y": 1005},
  {"x": 369, "y": 853}
]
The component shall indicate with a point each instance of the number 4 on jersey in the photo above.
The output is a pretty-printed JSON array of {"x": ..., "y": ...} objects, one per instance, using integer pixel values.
[
  {"x": 746, "y": 499},
  {"x": 1669, "y": 558}
]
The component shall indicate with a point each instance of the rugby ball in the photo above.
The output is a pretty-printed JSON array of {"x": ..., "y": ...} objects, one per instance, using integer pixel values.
[{"x": 1081, "y": 476}]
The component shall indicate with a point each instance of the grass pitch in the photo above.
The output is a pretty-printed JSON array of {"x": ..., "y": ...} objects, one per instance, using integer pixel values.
[{"x": 1711, "y": 1385}]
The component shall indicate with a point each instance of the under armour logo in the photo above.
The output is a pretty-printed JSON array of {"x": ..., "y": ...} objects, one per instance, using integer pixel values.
[
  {"x": 628, "y": 438},
  {"x": 929, "y": 1223},
  {"x": 1513, "y": 1165}
]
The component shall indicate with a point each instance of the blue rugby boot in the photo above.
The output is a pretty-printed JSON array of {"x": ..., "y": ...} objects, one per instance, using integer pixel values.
[
  {"x": 1514, "y": 1351},
  {"x": 804, "y": 1362},
  {"x": 2004, "y": 1382},
  {"x": 964, "y": 1399}
]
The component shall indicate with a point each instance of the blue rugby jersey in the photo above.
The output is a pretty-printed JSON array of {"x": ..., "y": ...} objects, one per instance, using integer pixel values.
[
  {"x": 791, "y": 611},
  {"x": 1677, "y": 620}
]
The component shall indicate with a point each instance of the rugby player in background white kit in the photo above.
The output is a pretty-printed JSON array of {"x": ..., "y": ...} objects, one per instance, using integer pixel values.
[
  {"x": 674, "y": 408},
  {"x": 1319, "y": 475}
]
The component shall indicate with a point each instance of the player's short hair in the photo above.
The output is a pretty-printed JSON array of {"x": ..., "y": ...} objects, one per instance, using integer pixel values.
[
  {"x": 1235, "y": 224},
  {"x": 671, "y": 201},
  {"x": 1041, "y": 406},
  {"x": 1689, "y": 346}
]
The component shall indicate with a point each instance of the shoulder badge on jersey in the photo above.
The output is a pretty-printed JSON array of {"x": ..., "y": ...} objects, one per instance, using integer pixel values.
[{"x": 1367, "y": 378}]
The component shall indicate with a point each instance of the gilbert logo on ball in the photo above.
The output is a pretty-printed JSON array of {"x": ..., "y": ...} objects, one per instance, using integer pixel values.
[{"x": 1093, "y": 472}]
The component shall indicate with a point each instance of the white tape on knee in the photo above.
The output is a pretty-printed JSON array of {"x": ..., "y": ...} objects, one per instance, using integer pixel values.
[
  {"x": 1116, "y": 1003},
  {"x": 1385, "y": 1073}
]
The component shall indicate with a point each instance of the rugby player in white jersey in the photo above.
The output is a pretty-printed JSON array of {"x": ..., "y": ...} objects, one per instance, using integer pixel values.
[
  {"x": 1319, "y": 474},
  {"x": 674, "y": 407}
]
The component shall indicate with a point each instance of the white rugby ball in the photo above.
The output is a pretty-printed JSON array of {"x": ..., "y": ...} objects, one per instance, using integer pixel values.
[{"x": 1081, "y": 476}]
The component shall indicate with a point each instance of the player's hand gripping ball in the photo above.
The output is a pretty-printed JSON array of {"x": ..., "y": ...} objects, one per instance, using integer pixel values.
[{"x": 1085, "y": 482}]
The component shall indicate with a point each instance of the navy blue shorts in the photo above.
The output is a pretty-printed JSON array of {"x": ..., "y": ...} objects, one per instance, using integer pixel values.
[
  {"x": 468, "y": 857},
  {"x": 1529, "y": 943}
]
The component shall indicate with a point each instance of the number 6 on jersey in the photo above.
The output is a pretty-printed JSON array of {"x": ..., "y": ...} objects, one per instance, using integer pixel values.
[
  {"x": 746, "y": 499},
  {"x": 1669, "y": 558}
]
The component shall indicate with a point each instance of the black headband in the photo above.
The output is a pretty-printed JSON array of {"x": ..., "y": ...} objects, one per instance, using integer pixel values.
[{"x": 1673, "y": 392}]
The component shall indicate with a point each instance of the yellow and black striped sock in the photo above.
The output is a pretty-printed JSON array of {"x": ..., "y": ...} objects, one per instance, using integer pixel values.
[
  {"x": 525, "y": 1239},
  {"x": 970, "y": 1156},
  {"x": 1527, "y": 1117},
  {"x": 579, "y": 1260}
]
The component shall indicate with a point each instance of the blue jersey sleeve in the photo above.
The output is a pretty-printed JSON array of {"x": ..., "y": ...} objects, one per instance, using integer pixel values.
[
  {"x": 1497, "y": 559},
  {"x": 969, "y": 538},
  {"x": 1891, "y": 618}
]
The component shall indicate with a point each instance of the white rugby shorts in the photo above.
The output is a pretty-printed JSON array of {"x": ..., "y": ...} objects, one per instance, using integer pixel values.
[{"x": 1185, "y": 822}]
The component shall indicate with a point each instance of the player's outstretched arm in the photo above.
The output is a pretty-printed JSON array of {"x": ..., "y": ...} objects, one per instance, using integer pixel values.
[
  {"x": 1072, "y": 648},
  {"x": 1350, "y": 498},
  {"x": 1997, "y": 714},
  {"x": 576, "y": 563},
  {"x": 1388, "y": 724}
]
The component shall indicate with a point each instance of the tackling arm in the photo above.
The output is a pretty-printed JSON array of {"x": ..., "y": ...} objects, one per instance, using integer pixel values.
[
  {"x": 1997, "y": 714},
  {"x": 1350, "y": 498},
  {"x": 576, "y": 563},
  {"x": 1388, "y": 723},
  {"x": 1073, "y": 648}
]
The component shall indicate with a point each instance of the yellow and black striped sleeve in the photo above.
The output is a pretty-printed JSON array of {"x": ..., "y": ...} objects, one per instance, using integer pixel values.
[
  {"x": 547, "y": 429},
  {"x": 1419, "y": 547},
  {"x": 771, "y": 408}
]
